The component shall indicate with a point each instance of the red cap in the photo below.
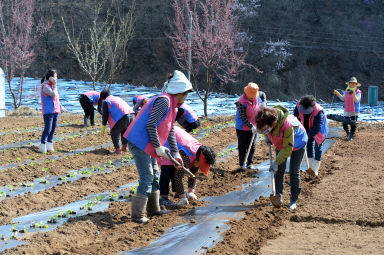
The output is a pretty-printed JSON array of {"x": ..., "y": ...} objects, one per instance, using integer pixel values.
[{"x": 203, "y": 165}]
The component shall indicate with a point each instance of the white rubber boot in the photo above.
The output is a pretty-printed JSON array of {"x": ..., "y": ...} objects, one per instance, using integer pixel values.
[
  {"x": 50, "y": 147},
  {"x": 43, "y": 148},
  {"x": 310, "y": 161},
  {"x": 316, "y": 166}
]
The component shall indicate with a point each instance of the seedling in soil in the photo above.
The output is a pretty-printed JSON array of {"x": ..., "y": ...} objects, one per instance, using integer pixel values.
[
  {"x": 13, "y": 229},
  {"x": 18, "y": 158},
  {"x": 63, "y": 178},
  {"x": 93, "y": 168},
  {"x": 9, "y": 160},
  {"x": 86, "y": 171},
  {"x": 13, "y": 237},
  {"x": 3, "y": 194},
  {"x": 113, "y": 196},
  {"x": 4, "y": 150},
  {"x": 44, "y": 169},
  {"x": 44, "y": 180},
  {"x": 72, "y": 175},
  {"x": 70, "y": 212},
  {"x": 32, "y": 163},
  {"x": 52, "y": 220},
  {"x": 30, "y": 144},
  {"x": 134, "y": 189},
  {"x": 60, "y": 214},
  {"x": 3, "y": 237},
  {"x": 11, "y": 187},
  {"x": 24, "y": 230}
]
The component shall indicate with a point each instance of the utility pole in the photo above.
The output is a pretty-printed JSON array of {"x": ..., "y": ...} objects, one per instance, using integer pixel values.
[
  {"x": 2, "y": 93},
  {"x": 190, "y": 45}
]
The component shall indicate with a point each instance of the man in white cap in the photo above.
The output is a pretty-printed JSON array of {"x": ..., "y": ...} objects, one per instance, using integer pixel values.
[{"x": 147, "y": 135}]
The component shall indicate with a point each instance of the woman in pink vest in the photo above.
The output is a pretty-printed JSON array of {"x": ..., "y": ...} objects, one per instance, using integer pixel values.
[
  {"x": 289, "y": 137},
  {"x": 87, "y": 101},
  {"x": 119, "y": 116},
  {"x": 51, "y": 107},
  {"x": 351, "y": 98},
  {"x": 195, "y": 156},
  {"x": 138, "y": 102},
  {"x": 312, "y": 117},
  {"x": 187, "y": 118},
  {"x": 247, "y": 108},
  {"x": 146, "y": 137}
]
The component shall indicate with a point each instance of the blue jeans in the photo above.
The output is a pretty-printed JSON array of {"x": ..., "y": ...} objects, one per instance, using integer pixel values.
[
  {"x": 50, "y": 123},
  {"x": 318, "y": 149},
  {"x": 294, "y": 174},
  {"x": 148, "y": 171}
]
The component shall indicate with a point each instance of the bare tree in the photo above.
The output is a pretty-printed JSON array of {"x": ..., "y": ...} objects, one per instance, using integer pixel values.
[
  {"x": 91, "y": 50},
  {"x": 18, "y": 37},
  {"x": 121, "y": 35},
  {"x": 217, "y": 44}
]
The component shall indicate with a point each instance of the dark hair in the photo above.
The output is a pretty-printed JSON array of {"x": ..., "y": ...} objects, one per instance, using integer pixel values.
[
  {"x": 308, "y": 101},
  {"x": 50, "y": 73},
  {"x": 170, "y": 75},
  {"x": 104, "y": 94},
  {"x": 208, "y": 152},
  {"x": 266, "y": 116}
]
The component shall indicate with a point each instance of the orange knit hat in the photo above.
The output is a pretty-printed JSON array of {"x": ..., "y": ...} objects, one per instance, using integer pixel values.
[{"x": 251, "y": 90}]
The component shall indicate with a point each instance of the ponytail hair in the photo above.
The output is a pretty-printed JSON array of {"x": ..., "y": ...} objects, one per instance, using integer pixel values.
[{"x": 50, "y": 73}]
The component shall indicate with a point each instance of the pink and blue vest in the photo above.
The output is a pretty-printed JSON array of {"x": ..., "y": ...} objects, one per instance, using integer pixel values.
[
  {"x": 117, "y": 108},
  {"x": 139, "y": 99},
  {"x": 189, "y": 114},
  {"x": 300, "y": 136},
  {"x": 349, "y": 104},
  {"x": 322, "y": 134},
  {"x": 93, "y": 96},
  {"x": 49, "y": 104},
  {"x": 137, "y": 132},
  {"x": 186, "y": 143},
  {"x": 252, "y": 108}
]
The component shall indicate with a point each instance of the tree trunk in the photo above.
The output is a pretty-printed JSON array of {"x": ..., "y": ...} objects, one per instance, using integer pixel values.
[
  {"x": 93, "y": 85},
  {"x": 21, "y": 85}
]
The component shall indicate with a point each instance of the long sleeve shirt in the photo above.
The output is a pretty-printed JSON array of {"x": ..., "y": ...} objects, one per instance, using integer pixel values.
[
  {"x": 317, "y": 122},
  {"x": 160, "y": 107},
  {"x": 50, "y": 91}
]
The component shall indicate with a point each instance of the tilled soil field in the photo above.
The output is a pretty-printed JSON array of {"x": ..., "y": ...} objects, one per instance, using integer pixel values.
[{"x": 110, "y": 231}]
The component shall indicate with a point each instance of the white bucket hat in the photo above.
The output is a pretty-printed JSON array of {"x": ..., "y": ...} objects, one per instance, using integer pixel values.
[{"x": 177, "y": 84}]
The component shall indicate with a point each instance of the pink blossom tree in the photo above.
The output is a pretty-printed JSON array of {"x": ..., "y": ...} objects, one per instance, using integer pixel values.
[
  {"x": 18, "y": 37},
  {"x": 217, "y": 45}
]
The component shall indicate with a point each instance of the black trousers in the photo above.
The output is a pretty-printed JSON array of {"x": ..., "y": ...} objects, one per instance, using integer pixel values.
[
  {"x": 353, "y": 126},
  {"x": 119, "y": 129},
  {"x": 166, "y": 176},
  {"x": 89, "y": 110},
  {"x": 244, "y": 140}
]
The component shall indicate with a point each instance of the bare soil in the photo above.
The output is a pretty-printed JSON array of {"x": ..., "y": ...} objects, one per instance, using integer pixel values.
[{"x": 345, "y": 198}]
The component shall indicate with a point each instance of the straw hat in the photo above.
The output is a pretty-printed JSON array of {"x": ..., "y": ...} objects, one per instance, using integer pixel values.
[
  {"x": 353, "y": 79},
  {"x": 251, "y": 90}
]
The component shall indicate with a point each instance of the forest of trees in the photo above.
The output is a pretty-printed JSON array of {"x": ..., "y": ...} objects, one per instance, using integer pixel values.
[{"x": 301, "y": 46}]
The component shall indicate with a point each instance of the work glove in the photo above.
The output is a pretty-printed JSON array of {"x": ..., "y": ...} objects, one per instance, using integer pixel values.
[
  {"x": 162, "y": 151},
  {"x": 273, "y": 167},
  {"x": 254, "y": 129},
  {"x": 102, "y": 132},
  {"x": 178, "y": 158}
]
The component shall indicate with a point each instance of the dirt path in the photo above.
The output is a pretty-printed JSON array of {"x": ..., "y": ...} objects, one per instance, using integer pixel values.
[{"x": 344, "y": 214}]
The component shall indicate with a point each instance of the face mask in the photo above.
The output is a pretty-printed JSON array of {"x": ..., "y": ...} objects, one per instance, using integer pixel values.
[{"x": 265, "y": 130}]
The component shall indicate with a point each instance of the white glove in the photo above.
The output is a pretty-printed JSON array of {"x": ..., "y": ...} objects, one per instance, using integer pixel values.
[
  {"x": 254, "y": 129},
  {"x": 273, "y": 167},
  {"x": 161, "y": 151},
  {"x": 178, "y": 158}
]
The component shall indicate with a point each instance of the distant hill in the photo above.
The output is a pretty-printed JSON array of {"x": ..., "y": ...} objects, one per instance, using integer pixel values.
[{"x": 302, "y": 46}]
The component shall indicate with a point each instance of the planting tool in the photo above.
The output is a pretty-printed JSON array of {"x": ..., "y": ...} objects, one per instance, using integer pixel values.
[
  {"x": 309, "y": 169},
  {"x": 174, "y": 161},
  {"x": 273, "y": 197},
  {"x": 249, "y": 149}
]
